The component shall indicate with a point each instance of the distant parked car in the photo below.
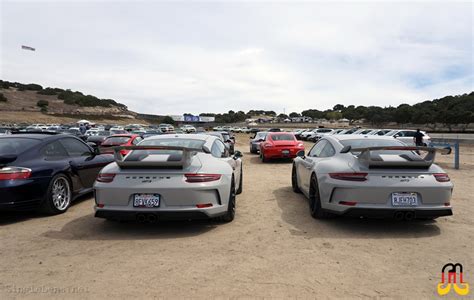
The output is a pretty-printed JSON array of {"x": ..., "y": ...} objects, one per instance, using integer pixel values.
[
  {"x": 99, "y": 137},
  {"x": 245, "y": 130},
  {"x": 256, "y": 140},
  {"x": 149, "y": 133},
  {"x": 46, "y": 171},
  {"x": 188, "y": 128},
  {"x": 5, "y": 131},
  {"x": 120, "y": 140},
  {"x": 380, "y": 132},
  {"x": 407, "y": 136},
  {"x": 165, "y": 128},
  {"x": 316, "y": 135},
  {"x": 280, "y": 145}
]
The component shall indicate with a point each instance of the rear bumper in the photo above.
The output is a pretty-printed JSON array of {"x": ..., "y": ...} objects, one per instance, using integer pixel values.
[
  {"x": 23, "y": 194},
  {"x": 392, "y": 213},
  {"x": 159, "y": 215},
  {"x": 276, "y": 152}
]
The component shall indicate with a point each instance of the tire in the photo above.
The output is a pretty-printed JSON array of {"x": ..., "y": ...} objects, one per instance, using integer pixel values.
[
  {"x": 315, "y": 200},
  {"x": 230, "y": 214},
  {"x": 294, "y": 180},
  {"x": 58, "y": 196},
  {"x": 262, "y": 157},
  {"x": 241, "y": 182}
]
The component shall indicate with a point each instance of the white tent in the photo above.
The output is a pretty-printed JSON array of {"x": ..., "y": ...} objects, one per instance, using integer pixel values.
[{"x": 83, "y": 122}]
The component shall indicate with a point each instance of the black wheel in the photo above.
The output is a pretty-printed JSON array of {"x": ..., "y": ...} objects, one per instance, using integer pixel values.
[
  {"x": 241, "y": 182},
  {"x": 230, "y": 214},
  {"x": 315, "y": 200},
  {"x": 262, "y": 157},
  {"x": 58, "y": 197},
  {"x": 294, "y": 180}
]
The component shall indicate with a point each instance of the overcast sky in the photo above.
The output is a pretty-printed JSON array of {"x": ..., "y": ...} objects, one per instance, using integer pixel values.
[{"x": 193, "y": 57}]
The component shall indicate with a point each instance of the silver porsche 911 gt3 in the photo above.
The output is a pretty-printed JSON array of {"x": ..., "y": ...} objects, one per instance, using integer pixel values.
[
  {"x": 371, "y": 176},
  {"x": 183, "y": 176}
]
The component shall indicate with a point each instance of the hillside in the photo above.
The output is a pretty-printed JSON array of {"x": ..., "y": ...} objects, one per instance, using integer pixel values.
[{"x": 33, "y": 103}]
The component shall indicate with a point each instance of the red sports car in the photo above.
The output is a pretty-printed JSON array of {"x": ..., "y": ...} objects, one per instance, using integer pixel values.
[
  {"x": 280, "y": 145},
  {"x": 119, "y": 140}
]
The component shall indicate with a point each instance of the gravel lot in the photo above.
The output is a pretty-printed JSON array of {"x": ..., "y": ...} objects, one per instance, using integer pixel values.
[{"x": 272, "y": 249}]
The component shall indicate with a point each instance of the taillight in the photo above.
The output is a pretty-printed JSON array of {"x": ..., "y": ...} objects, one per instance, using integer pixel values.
[
  {"x": 267, "y": 145},
  {"x": 356, "y": 176},
  {"x": 13, "y": 173},
  {"x": 105, "y": 177},
  {"x": 300, "y": 145},
  {"x": 191, "y": 177},
  {"x": 441, "y": 177},
  {"x": 124, "y": 152}
]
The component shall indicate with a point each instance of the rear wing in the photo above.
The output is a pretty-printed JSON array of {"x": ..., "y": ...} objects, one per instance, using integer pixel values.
[
  {"x": 371, "y": 160},
  {"x": 170, "y": 162}
]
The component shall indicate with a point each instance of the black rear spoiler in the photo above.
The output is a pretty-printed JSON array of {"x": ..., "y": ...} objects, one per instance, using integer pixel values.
[
  {"x": 184, "y": 161},
  {"x": 369, "y": 160}
]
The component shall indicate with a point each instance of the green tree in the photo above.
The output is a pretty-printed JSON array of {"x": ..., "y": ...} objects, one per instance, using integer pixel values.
[
  {"x": 3, "y": 98},
  {"x": 294, "y": 115}
]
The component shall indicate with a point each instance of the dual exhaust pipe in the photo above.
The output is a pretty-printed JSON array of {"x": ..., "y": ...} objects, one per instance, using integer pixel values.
[
  {"x": 147, "y": 218},
  {"x": 404, "y": 215}
]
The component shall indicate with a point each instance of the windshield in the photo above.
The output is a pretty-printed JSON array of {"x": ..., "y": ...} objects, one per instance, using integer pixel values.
[
  {"x": 116, "y": 140},
  {"x": 16, "y": 145},
  {"x": 260, "y": 136}
]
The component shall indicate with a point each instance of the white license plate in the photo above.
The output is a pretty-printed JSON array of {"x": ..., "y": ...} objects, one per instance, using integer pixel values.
[
  {"x": 146, "y": 200},
  {"x": 286, "y": 152},
  {"x": 404, "y": 199}
]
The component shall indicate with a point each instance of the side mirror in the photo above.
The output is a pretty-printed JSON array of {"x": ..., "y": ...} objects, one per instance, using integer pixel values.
[
  {"x": 95, "y": 148},
  {"x": 238, "y": 154},
  {"x": 300, "y": 154},
  {"x": 229, "y": 141},
  {"x": 346, "y": 149}
]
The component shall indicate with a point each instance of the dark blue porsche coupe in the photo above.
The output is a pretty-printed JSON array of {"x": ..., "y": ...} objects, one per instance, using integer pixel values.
[{"x": 46, "y": 171}]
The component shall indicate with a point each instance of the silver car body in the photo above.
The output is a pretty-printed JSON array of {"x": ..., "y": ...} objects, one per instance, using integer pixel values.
[
  {"x": 158, "y": 174},
  {"x": 387, "y": 175}
]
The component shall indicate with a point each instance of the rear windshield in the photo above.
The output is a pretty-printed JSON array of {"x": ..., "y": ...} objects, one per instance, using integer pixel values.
[
  {"x": 324, "y": 130},
  {"x": 171, "y": 155},
  {"x": 116, "y": 140},
  {"x": 16, "y": 145},
  {"x": 282, "y": 137}
]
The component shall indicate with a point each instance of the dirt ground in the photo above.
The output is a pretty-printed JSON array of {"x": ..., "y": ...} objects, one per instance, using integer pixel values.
[{"x": 272, "y": 249}]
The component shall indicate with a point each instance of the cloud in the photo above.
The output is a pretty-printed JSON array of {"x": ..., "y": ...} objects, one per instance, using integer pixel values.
[{"x": 212, "y": 57}]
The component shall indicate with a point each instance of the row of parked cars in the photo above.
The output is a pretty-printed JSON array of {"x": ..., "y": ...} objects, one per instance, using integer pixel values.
[
  {"x": 405, "y": 135},
  {"x": 192, "y": 176}
]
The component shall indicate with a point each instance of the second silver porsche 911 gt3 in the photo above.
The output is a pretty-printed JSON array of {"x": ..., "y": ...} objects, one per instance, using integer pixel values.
[
  {"x": 179, "y": 176},
  {"x": 372, "y": 176}
]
